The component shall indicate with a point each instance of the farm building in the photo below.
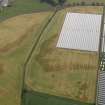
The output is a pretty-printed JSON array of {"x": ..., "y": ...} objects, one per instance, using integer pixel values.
[
  {"x": 80, "y": 32},
  {"x": 4, "y": 3}
]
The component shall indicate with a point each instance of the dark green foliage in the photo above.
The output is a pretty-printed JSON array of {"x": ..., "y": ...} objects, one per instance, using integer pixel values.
[
  {"x": 54, "y": 2},
  {"x": 102, "y": 4},
  {"x": 77, "y": 3},
  {"x": 61, "y": 2},
  {"x": 74, "y": 4},
  {"x": 82, "y": 3},
  {"x": 93, "y": 3},
  {"x": 51, "y": 2}
]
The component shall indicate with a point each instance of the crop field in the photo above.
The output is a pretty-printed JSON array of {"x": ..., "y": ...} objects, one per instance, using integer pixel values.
[
  {"x": 53, "y": 71},
  {"x": 17, "y": 36},
  {"x": 60, "y": 72},
  {"x": 16, "y": 28}
]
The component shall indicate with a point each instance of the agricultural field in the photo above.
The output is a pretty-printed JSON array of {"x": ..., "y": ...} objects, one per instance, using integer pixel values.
[
  {"x": 53, "y": 76},
  {"x": 17, "y": 36},
  {"x": 59, "y": 72}
]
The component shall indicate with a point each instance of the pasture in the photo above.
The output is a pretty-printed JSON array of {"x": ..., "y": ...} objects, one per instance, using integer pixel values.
[
  {"x": 60, "y": 72},
  {"x": 17, "y": 36}
]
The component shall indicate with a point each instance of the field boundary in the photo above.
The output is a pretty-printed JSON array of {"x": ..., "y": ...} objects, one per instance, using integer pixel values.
[{"x": 30, "y": 55}]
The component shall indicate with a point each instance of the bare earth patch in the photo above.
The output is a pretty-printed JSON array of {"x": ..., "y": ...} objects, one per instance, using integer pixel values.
[{"x": 3, "y": 92}]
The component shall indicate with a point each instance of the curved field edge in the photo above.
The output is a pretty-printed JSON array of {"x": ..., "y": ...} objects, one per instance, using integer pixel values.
[
  {"x": 11, "y": 64},
  {"x": 28, "y": 6},
  {"x": 39, "y": 71},
  {"x": 22, "y": 7},
  {"x": 37, "y": 98}
]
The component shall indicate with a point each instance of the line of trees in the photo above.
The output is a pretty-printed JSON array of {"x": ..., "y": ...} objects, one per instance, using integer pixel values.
[
  {"x": 62, "y": 2},
  {"x": 54, "y": 2}
]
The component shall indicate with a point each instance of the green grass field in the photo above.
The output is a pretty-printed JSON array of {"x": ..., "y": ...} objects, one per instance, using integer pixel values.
[
  {"x": 87, "y": 1},
  {"x": 21, "y": 7},
  {"x": 59, "y": 72}
]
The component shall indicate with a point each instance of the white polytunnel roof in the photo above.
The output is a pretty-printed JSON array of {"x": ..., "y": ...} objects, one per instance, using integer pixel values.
[{"x": 80, "y": 32}]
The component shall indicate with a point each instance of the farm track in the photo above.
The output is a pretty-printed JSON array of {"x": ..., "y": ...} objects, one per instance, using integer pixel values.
[{"x": 30, "y": 55}]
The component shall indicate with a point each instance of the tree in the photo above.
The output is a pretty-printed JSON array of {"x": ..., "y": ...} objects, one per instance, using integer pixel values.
[
  {"x": 82, "y": 3},
  {"x": 61, "y": 2},
  {"x": 51, "y": 2}
]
